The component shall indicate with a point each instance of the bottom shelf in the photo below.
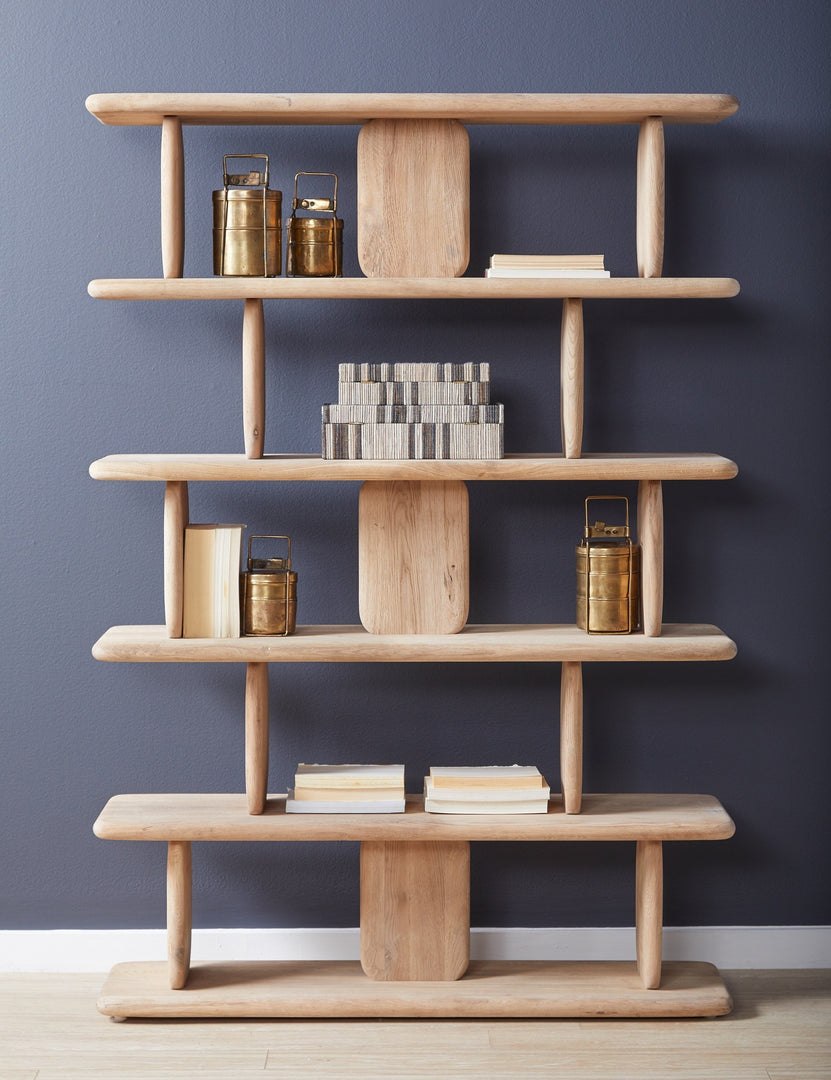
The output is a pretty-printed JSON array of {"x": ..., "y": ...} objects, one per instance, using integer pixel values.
[{"x": 339, "y": 988}]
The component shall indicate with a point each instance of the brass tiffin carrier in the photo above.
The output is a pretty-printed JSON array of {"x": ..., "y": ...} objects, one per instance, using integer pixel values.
[
  {"x": 247, "y": 231},
  {"x": 268, "y": 593},
  {"x": 608, "y": 575},
  {"x": 314, "y": 245}
]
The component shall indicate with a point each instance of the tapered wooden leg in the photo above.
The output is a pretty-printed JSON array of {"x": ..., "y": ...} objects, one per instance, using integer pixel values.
[
  {"x": 173, "y": 198},
  {"x": 415, "y": 910},
  {"x": 650, "y": 197},
  {"x": 649, "y": 905},
  {"x": 253, "y": 378},
  {"x": 651, "y": 539},
  {"x": 571, "y": 735},
  {"x": 571, "y": 378},
  {"x": 256, "y": 736},
  {"x": 179, "y": 912},
  {"x": 175, "y": 520}
]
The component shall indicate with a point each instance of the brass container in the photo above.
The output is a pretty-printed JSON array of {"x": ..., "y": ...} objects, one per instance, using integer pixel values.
[
  {"x": 269, "y": 594},
  {"x": 314, "y": 246},
  {"x": 247, "y": 231},
  {"x": 608, "y": 576}
]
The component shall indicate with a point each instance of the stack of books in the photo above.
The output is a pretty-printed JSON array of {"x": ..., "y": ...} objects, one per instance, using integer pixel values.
[
  {"x": 413, "y": 411},
  {"x": 547, "y": 266},
  {"x": 347, "y": 789},
  {"x": 487, "y": 789},
  {"x": 210, "y": 588}
]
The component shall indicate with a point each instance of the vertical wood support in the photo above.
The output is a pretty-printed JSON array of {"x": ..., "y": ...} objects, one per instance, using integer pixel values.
[
  {"x": 256, "y": 736},
  {"x": 175, "y": 520},
  {"x": 649, "y": 906},
  {"x": 415, "y": 910},
  {"x": 179, "y": 912},
  {"x": 571, "y": 735},
  {"x": 571, "y": 378},
  {"x": 650, "y": 197},
  {"x": 173, "y": 197},
  {"x": 253, "y": 378},
  {"x": 651, "y": 539}
]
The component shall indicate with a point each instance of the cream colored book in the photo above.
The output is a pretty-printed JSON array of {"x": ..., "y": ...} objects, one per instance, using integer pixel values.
[
  {"x": 489, "y": 795},
  {"x": 587, "y": 262},
  {"x": 487, "y": 777},
  {"x": 347, "y": 795},
  {"x": 210, "y": 592},
  {"x": 348, "y": 776}
]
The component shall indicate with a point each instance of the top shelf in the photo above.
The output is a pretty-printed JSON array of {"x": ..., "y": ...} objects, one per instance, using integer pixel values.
[{"x": 288, "y": 109}]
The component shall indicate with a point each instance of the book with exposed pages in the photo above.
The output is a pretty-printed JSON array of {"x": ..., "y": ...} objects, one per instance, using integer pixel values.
[
  {"x": 547, "y": 266},
  {"x": 347, "y": 789},
  {"x": 488, "y": 789},
  {"x": 210, "y": 586}
]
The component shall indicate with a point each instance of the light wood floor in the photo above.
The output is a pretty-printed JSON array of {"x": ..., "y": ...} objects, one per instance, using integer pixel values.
[{"x": 780, "y": 1029}]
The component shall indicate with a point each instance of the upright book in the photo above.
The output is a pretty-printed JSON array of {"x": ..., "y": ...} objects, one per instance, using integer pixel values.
[{"x": 211, "y": 597}]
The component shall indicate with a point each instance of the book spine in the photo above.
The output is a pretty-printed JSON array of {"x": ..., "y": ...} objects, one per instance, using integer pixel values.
[
  {"x": 414, "y": 372},
  {"x": 421, "y": 442},
  {"x": 414, "y": 393},
  {"x": 413, "y": 414}
]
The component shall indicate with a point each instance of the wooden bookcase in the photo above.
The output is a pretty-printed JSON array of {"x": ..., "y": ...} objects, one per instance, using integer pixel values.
[{"x": 415, "y": 867}]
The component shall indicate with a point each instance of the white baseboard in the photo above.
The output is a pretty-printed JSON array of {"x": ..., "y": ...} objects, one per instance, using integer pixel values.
[{"x": 728, "y": 947}]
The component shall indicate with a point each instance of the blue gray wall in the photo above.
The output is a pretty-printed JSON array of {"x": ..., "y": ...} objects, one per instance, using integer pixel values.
[{"x": 747, "y": 378}]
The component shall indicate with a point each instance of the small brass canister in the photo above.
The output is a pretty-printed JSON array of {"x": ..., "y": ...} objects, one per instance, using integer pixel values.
[
  {"x": 314, "y": 245},
  {"x": 608, "y": 576},
  {"x": 269, "y": 594},
  {"x": 247, "y": 223}
]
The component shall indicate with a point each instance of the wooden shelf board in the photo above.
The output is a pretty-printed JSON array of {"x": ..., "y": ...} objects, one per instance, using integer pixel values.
[
  {"x": 340, "y": 988},
  {"x": 512, "y": 467},
  {"x": 352, "y": 644},
  {"x": 437, "y": 288},
  {"x": 138, "y": 108},
  {"x": 197, "y": 817}
]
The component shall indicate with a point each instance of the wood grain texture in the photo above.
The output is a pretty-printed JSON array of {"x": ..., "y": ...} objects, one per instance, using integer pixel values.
[
  {"x": 474, "y": 643},
  {"x": 179, "y": 912},
  {"x": 211, "y": 817},
  {"x": 571, "y": 377},
  {"x": 651, "y": 540},
  {"x": 571, "y": 736},
  {"x": 512, "y": 467},
  {"x": 413, "y": 288},
  {"x": 139, "y": 108},
  {"x": 649, "y": 910},
  {"x": 413, "y": 198},
  {"x": 778, "y": 1029},
  {"x": 256, "y": 736},
  {"x": 176, "y": 516},
  {"x": 528, "y": 989},
  {"x": 253, "y": 378},
  {"x": 172, "y": 198},
  {"x": 650, "y": 198},
  {"x": 415, "y": 910},
  {"x": 413, "y": 563}
]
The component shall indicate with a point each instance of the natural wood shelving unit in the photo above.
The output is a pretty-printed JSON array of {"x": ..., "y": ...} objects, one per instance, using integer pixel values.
[{"x": 415, "y": 866}]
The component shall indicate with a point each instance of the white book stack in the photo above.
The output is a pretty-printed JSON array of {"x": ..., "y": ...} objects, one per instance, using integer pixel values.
[
  {"x": 347, "y": 789},
  {"x": 420, "y": 411},
  {"x": 486, "y": 789},
  {"x": 547, "y": 266}
]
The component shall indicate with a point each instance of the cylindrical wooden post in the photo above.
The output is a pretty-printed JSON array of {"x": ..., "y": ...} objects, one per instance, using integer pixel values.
[
  {"x": 649, "y": 906},
  {"x": 651, "y": 539},
  {"x": 175, "y": 520},
  {"x": 173, "y": 197},
  {"x": 256, "y": 736},
  {"x": 571, "y": 377},
  {"x": 179, "y": 912},
  {"x": 571, "y": 735},
  {"x": 650, "y": 197},
  {"x": 253, "y": 378}
]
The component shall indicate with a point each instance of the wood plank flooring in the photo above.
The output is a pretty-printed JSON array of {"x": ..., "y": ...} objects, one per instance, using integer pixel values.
[{"x": 780, "y": 1029}]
